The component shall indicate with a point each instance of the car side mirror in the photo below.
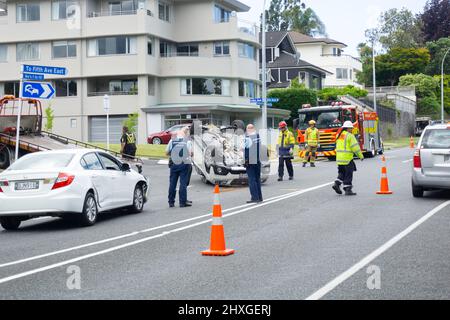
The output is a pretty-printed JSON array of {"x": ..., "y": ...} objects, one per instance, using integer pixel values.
[{"x": 125, "y": 167}]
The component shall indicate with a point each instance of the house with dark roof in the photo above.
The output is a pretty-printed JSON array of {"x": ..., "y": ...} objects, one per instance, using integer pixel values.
[
  {"x": 284, "y": 64},
  {"x": 328, "y": 54}
]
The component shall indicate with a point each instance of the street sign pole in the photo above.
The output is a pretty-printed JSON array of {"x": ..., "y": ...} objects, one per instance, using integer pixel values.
[
  {"x": 106, "y": 107},
  {"x": 19, "y": 113}
]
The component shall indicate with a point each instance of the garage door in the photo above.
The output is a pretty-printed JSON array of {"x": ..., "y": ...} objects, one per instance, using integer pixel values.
[{"x": 97, "y": 128}]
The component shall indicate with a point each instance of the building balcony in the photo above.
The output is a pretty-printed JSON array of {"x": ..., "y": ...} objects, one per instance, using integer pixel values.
[
  {"x": 343, "y": 60},
  {"x": 208, "y": 66}
]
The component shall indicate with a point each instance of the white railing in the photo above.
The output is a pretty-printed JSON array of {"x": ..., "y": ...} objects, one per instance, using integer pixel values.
[
  {"x": 113, "y": 93},
  {"x": 111, "y": 13},
  {"x": 247, "y": 27}
]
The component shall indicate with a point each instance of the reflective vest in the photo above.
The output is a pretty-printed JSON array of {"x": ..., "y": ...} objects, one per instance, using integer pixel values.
[
  {"x": 131, "y": 139},
  {"x": 286, "y": 141},
  {"x": 312, "y": 135},
  {"x": 252, "y": 149},
  {"x": 346, "y": 148}
]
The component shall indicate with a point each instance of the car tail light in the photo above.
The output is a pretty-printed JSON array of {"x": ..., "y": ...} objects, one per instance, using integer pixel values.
[
  {"x": 417, "y": 160},
  {"x": 63, "y": 180},
  {"x": 3, "y": 183}
]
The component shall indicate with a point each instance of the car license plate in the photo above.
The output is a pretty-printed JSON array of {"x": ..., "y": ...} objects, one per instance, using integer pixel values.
[
  {"x": 320, "y": 154},
  {"x": 27, "y": 185}
]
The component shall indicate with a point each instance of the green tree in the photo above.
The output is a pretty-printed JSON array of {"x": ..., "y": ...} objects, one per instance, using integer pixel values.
[
  {"x": 400, "y": 29},
  {"x": 49, "y": 114},
  {"x": 333, "y": 94},
  {"x": 394, "y": 64},
  {"x": 437, "y": 50},
  {"x": 446, "y": 91},
  {"x": 132, "y": 122},
  {"x": 293, "y": 15},
  {"x": 427, "y": 89},
  {"x": 293, "y": 98},
  {"x": 435, "y": 20}
]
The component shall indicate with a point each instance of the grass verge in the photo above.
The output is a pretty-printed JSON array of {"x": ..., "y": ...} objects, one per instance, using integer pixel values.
[{"x": 143, "y": 150}]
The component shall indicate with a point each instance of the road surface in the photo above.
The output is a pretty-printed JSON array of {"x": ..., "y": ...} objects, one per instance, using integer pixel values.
[{"x": 303, "y": 242}]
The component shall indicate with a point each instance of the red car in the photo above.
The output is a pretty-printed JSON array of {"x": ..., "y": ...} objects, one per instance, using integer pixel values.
[{"x": 164, "y": 137}]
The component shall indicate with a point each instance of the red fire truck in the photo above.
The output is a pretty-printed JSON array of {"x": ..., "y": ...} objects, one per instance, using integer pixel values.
[{"x": 329, "y": 121}]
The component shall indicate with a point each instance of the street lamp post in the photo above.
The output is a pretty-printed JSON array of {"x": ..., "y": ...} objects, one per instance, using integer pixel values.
[
  {"x": 442, "y": 85},
  {"x": 264, "y": 69}
]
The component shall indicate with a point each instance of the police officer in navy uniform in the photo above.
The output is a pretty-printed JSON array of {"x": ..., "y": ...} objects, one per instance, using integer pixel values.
[
  {"x": 253, "y": 163},
  {"x": 180, "y": 151}
]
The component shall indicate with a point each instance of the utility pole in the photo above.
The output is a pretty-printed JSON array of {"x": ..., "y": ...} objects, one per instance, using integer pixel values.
[
  {"x": 442, "y": 85},
  {"x": 264, "y": 69}
]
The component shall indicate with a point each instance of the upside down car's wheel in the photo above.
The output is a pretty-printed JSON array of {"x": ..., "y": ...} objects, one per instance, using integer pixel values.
[{"x": 10, "y": 223}]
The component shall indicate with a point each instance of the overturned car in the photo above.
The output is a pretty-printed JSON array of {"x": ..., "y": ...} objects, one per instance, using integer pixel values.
[{"x": 219, "y": 156}]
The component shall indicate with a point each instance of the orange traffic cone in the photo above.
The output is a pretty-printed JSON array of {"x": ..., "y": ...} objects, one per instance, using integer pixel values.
[
  {"x": 217, "y": 247},
  {"x": 411, "y": 143},
  {"x": 384, "y": 179}
]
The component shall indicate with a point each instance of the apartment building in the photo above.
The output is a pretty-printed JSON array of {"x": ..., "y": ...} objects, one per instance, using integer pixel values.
[
  {"x": 328, "y": 54},
  {"x": 171, "y": 61}
]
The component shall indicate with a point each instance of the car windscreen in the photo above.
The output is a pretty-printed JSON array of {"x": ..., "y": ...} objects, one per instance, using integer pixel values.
[
  {"x": 436, "y": 139},
  {"x": 43, "y": 161},
  {"x": 324, "y": 120}
]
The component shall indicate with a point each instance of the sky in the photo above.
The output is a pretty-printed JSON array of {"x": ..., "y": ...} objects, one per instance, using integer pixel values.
[{"x": 345, "y": 20}]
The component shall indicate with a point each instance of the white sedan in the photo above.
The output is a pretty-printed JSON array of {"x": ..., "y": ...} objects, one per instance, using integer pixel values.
[{"x": 77, "y": 183}]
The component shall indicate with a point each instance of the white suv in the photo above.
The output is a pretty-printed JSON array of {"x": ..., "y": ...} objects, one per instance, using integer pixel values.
[{"x": 431, "y": 168}]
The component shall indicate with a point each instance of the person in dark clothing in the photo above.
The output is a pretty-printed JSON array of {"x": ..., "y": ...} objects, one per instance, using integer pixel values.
[
  {"x": 179, "y": 150},
  {"x": 128, "y": 144},
  {"x": 253, "y": 164}
]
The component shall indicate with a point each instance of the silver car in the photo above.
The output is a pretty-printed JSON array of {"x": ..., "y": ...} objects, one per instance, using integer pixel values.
[{"x": 431, "y": 170}]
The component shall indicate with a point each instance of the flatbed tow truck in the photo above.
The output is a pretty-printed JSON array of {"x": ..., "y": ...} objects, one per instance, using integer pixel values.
[{"x": 32, "y": 138}]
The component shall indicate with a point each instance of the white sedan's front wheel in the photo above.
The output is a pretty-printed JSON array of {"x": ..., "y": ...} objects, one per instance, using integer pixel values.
[{"x": 90, "y": 211}]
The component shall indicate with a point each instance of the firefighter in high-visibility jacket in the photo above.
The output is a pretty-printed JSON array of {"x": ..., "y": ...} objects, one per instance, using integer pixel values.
[
  {"x": 347, "y": 147},
  {"x": 286, "y": 144},
  {"x": 312, "y": 137}
]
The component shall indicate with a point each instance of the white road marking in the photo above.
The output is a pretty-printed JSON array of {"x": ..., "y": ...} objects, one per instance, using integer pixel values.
[
  {"x": 133, "y": 243},
  {"x": 164, "y": 161},
  {"x": 135, "y": 233},
  {"x": 372, "y": 256},
  {"x": 407, "y": 161}
]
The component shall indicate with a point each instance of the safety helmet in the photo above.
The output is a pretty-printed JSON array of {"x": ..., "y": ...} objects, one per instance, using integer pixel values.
[
  {"x": 312, "y": 122},
  {"x": 282, "y": 125},
  {"x": 348, "y": 125}
]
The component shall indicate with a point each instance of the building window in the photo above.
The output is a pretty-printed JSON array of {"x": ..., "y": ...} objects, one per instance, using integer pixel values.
[
  {"x": 64, "y": 49},
  {"x": 164, "y": 11},
  {"x": 63, "y": 9},
  {"x": 66, "y": 88},
  {"x": 165, "y": 49},
  {"x": 27, "y": 51},
  {"x": 341, "y": 73},
  {"x": 150, "y": 46},
  {"x": 247, "y": 89},
  {"x": 12, "y": 88},
  {"x": 73, "y": 123},
  {"x": 315, "y": 82},
  {"x": 112, "y": 46},
  {"x": 206, "y": 86},
  {"x": 246, "y": 50},
  {"x": 187, "y": 50},
  {"x": 28, "y": 12},
  {"x": 151, "y": 86},
  {"x": 222, "y": 48},
  {"x": 221, "y": 15},
  {"x": 124, "y": 86},
  {"x": 3, "y": 52}
]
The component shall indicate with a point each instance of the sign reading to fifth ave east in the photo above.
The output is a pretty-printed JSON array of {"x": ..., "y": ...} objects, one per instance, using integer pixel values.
[{"x": 44, "y": 70}]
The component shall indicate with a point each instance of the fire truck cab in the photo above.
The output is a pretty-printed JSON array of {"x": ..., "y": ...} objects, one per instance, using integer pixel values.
[{"x": 329, "y": 121}]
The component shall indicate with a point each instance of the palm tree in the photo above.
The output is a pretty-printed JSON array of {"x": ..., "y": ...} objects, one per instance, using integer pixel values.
[{"x": 307, "y": 22}]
